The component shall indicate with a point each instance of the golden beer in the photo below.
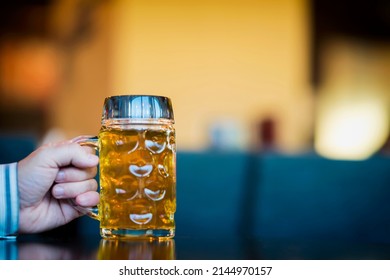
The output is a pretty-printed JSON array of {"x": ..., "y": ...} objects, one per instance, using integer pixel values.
[
  {"x": 137, "y": 180},
  {"x": 137, "y": 151}
]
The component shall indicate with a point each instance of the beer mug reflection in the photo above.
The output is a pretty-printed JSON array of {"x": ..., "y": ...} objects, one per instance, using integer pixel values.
[{"x": 136, "y": 250}]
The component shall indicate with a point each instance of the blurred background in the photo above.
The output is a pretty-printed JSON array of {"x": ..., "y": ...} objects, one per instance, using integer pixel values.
[
  {"x": 292, "y": 76},
  {"x": 287, "y": 101}
]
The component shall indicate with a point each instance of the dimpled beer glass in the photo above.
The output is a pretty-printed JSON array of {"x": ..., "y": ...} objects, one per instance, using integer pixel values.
[{"x": 137, "y": 153}]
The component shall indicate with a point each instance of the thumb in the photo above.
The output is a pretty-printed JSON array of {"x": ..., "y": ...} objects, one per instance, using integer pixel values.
[{"x": 68, "y": 153}]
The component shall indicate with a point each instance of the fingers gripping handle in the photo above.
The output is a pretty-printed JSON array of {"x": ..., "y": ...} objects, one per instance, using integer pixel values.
[{"x": 90, "y": 141}]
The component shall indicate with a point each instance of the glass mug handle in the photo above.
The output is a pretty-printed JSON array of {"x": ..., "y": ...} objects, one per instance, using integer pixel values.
[{"x": 90, "y": 141}]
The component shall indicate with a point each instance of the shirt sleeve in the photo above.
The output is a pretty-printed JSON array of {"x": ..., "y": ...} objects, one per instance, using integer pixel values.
[{"x": 9, "y": 201}]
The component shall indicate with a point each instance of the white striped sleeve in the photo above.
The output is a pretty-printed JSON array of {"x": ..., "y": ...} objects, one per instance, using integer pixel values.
[{"x": 9, "y": 201}]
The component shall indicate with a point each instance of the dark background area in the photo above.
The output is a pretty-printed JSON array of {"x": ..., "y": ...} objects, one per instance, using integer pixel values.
[{"x": 361, "y": 20}]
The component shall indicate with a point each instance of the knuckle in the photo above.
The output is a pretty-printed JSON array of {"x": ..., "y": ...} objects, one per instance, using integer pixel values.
[
  {"x": 93, "y": 184},
  {"x": 93, "y": 171}
]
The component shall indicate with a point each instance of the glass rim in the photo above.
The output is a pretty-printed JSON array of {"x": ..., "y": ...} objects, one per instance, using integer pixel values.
[
  {"x": 137, "y": 107},
  {"x": 135, "y": 121}
]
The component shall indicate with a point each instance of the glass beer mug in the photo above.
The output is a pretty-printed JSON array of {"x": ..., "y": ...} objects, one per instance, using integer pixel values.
[{"x": 137, "y": 166}]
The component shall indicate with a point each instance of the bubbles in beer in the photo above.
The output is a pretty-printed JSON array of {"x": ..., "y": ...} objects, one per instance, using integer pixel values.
[
  {"x": 137, "y": 178},
  {"x": 168, "y": 208}
]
